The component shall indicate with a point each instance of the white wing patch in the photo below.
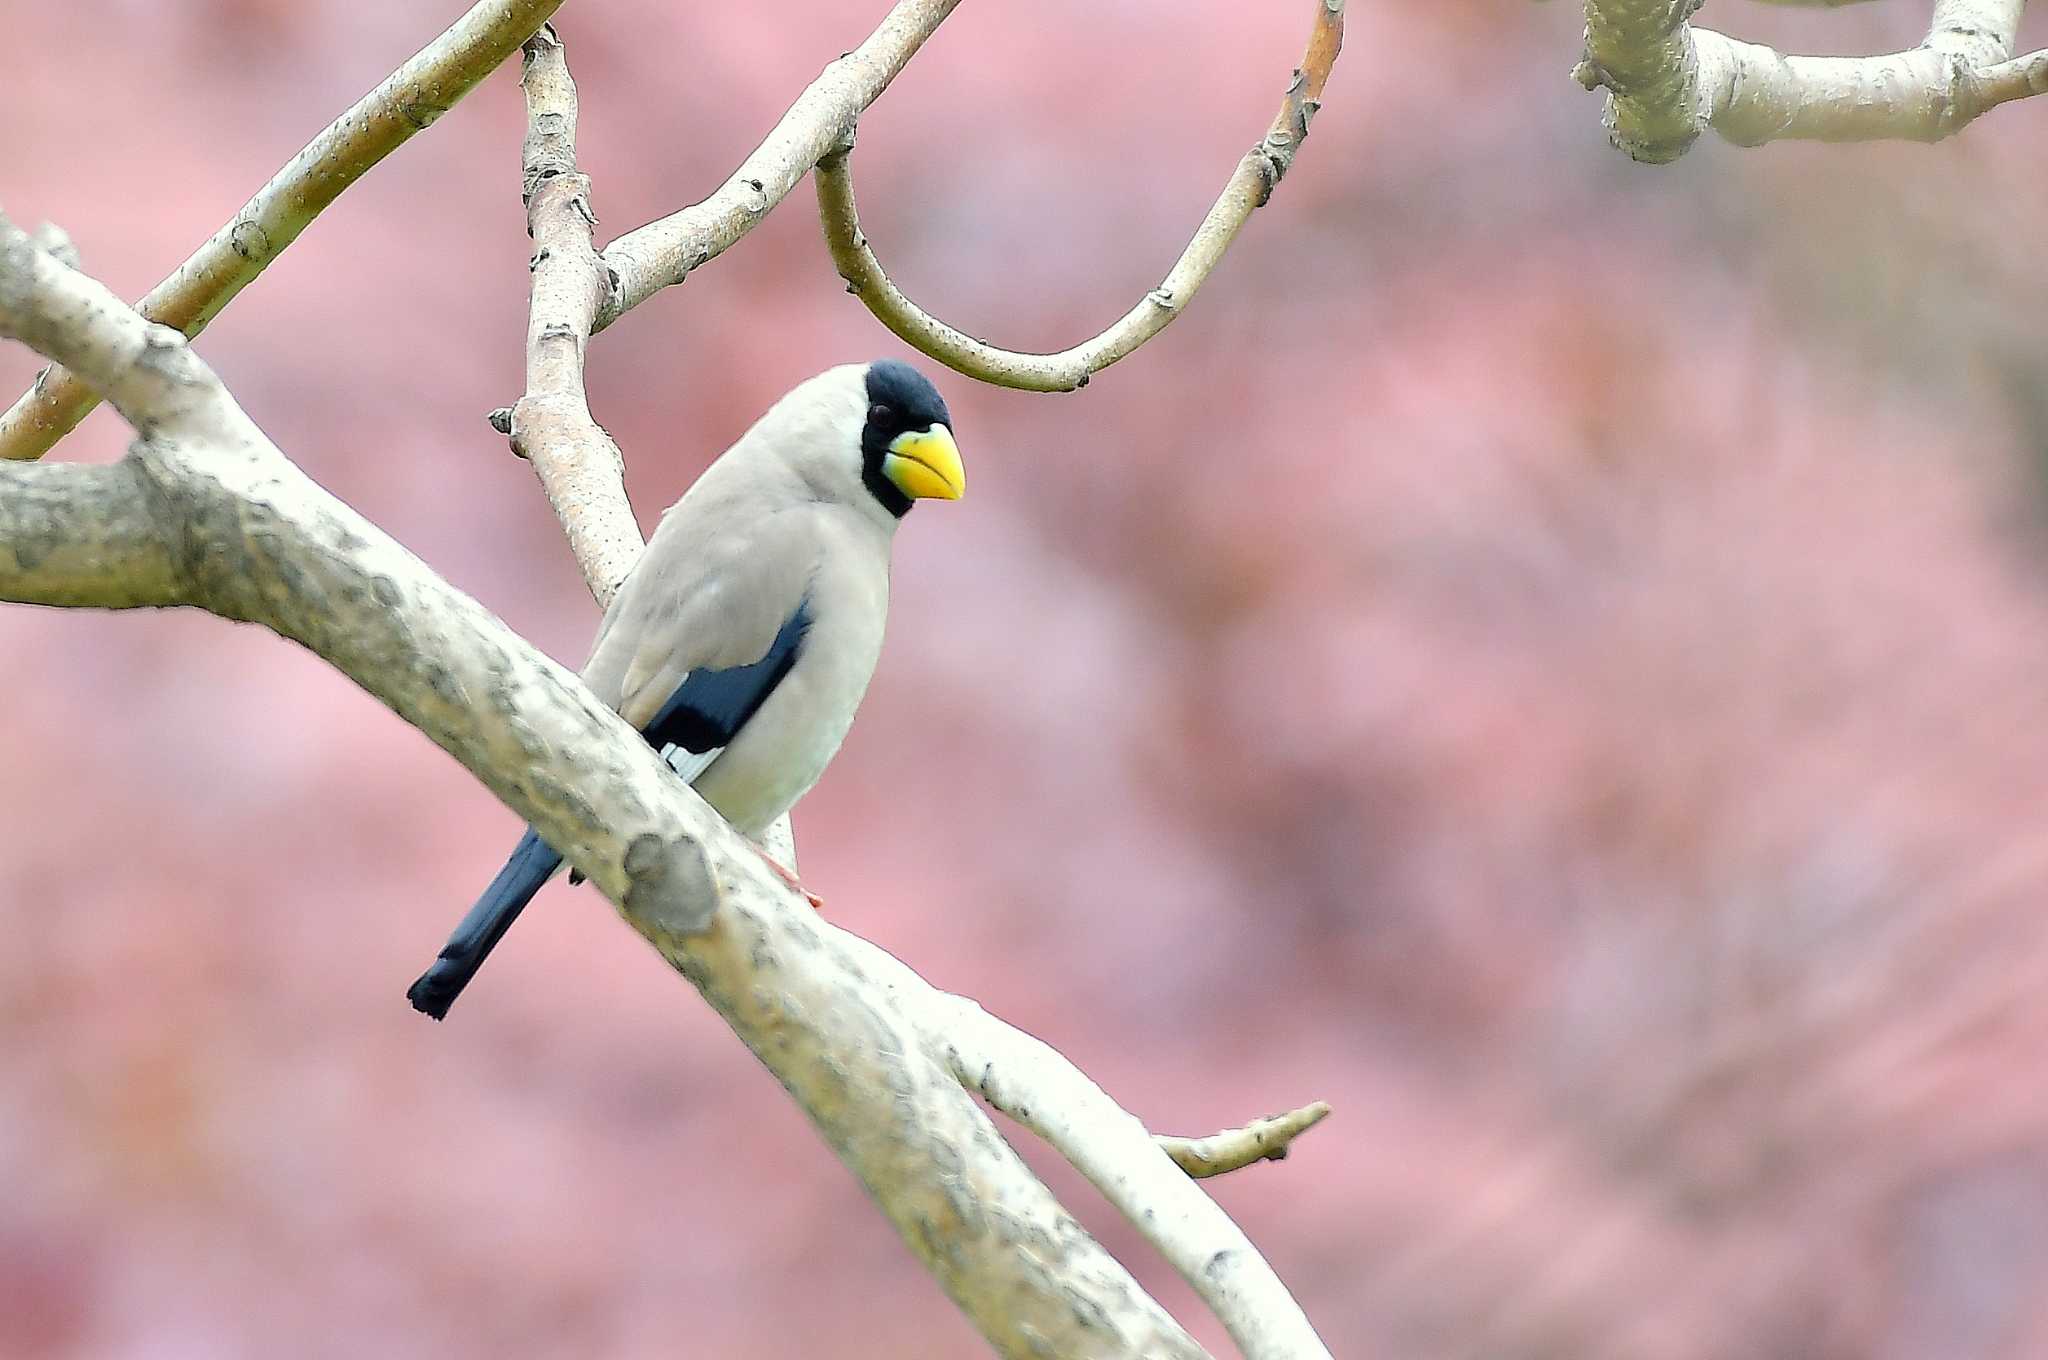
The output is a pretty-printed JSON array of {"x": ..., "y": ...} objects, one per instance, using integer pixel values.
[{"x": 689, "y": 764}]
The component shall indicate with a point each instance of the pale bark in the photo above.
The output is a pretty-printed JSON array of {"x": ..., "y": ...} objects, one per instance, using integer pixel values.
[
  {"x": 1667, "y": 80},
  {"x": 1031, "y": 1082},
  {"x": 1262, "y": 1140},
  {"x": 580, "y": 468}
]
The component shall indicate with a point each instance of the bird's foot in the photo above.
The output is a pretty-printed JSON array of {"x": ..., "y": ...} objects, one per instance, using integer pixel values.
[{"x": 817, "y": 902}]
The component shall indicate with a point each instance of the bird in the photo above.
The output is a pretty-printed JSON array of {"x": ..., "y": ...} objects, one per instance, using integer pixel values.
[{"x": 744, "y": 638}]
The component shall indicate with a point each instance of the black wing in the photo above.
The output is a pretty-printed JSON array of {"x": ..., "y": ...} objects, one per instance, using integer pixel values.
[{"x": 709, "y": 707}]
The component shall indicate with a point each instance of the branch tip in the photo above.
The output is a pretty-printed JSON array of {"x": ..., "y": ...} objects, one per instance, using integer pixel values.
[{"x": 1262, "y": 1140}]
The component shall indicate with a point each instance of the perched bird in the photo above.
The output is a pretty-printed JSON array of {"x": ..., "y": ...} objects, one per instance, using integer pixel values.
[{"x": 744, "y": 638}]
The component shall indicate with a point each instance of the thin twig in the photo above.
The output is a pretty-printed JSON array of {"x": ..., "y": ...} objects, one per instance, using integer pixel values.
[
  {"x": 403, "y": 103},
  {"x": 1262, "y": 1140},
  {"x": 1034, "y": 1084},
  {"x": 648, "y": 259},
  {"x": 1248, "y": 190}
]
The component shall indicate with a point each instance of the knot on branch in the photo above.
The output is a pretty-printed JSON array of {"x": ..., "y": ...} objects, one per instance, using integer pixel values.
[
  {"x": 249, "y": 240},
  {"x": 56, "y": 243},
  {"x": 670, "y": 888}
]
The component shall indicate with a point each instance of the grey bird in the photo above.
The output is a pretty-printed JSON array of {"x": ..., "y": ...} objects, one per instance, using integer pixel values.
[{"x": 744, "y": 639}]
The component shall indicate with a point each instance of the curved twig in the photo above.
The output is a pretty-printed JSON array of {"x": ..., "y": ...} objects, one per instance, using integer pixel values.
[
  {"x": 404, "y": 102},
  {"x": 1248, "y": 190}
]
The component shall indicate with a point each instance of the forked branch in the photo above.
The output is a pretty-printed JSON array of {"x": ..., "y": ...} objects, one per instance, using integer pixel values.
[{"x": 1666, "y": 80}]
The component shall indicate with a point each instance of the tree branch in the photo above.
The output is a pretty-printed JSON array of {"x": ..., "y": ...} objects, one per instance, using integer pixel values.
[
  {"x": 403, "y": 103},
  {"x": 1262, "y": 1140},
  {"x": 1666, "y": 79},
  {"x": 579, "y": 466},
  {"x": 1248, "y": 190},
  {"x": 257, "y": 540},
  {"x": 1034, "y": 1084},
  {"x": 648, "y": 259},
  {"x": 81, "y": 535}
]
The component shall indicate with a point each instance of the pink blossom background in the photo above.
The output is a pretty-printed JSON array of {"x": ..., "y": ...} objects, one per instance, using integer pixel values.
[{"x": 1549, "y": 655}]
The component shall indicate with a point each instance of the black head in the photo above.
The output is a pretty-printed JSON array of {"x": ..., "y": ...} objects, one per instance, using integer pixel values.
[{"x": 901, "y": 401}]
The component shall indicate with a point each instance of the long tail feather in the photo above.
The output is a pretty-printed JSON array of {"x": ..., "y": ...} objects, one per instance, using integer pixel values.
[{"x": 530, "y": 866}]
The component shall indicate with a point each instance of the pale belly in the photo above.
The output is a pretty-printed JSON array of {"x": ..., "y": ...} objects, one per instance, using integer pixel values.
[{"x": 785, "y": 747}]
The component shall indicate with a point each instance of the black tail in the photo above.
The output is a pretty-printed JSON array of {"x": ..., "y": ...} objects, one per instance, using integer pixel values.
[{"x": 531, "y": 864}]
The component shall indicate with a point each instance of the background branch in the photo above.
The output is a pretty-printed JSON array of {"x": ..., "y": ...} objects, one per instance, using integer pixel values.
[
  {"x": 1667, "y": 79},
  {"x": 1248, "y": 190},
  {"x": 403, "y": 103}
]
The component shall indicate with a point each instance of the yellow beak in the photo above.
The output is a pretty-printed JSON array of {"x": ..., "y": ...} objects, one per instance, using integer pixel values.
[{"x": 926, "y": 463}]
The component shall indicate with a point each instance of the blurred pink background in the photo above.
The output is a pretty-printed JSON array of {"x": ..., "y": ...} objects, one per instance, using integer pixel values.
[{"x": 1549, "y": 655}]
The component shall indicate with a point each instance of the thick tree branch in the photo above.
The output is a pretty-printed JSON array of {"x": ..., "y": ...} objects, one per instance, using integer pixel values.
[
  {"x": 257, "y": 540},
  {"x": 663, "y": 252},
  {"x": 1248, "y": 190},
  {"x": 406, "y": 101},
  {"x": 80, "y": 535},
  {"x": 1666, "y": 79},
  {"x": 1262, "y": 1140}
]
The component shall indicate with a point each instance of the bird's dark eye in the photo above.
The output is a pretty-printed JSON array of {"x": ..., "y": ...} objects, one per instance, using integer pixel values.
[{"x": 880, "y": 412}]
